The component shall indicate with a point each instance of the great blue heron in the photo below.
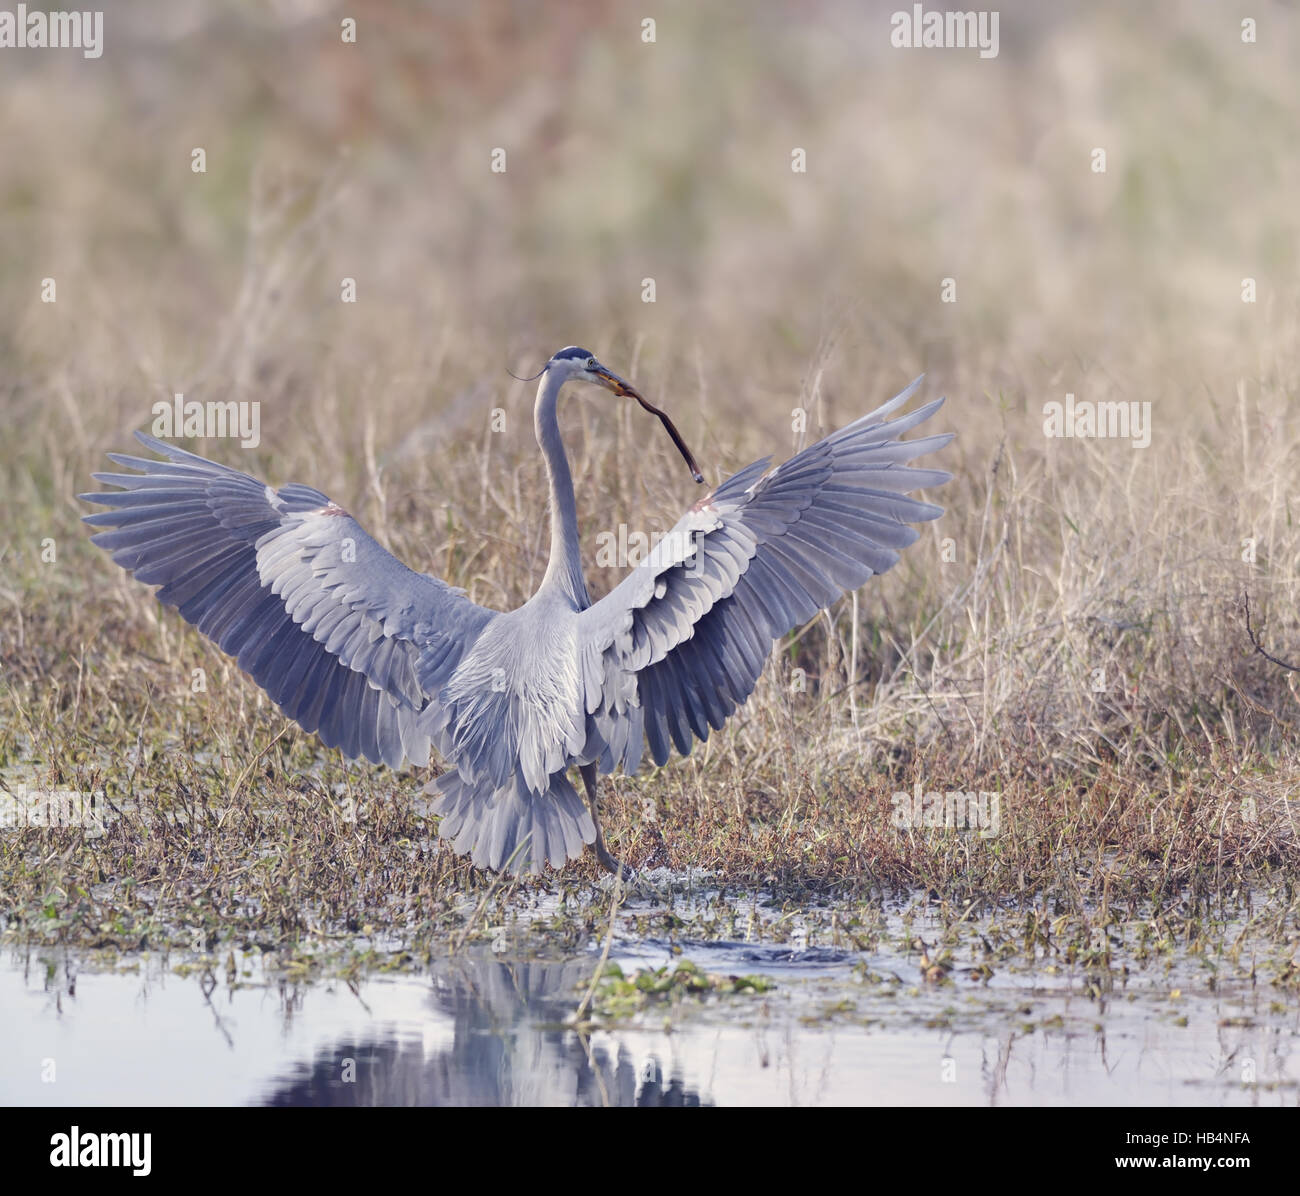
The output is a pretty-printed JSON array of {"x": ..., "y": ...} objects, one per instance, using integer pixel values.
[{"x": 382, "y": 662}]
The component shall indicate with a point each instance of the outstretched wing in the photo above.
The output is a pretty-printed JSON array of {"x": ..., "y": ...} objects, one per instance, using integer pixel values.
[
  {"x": 673, "y": 649},
  {"x": 345, "y": 639}
]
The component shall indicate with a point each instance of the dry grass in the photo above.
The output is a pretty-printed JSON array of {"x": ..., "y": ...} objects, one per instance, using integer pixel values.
[{"x": 1059, "y": 562}]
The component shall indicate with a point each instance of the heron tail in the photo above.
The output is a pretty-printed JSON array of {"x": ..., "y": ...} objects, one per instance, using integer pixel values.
[{"x": 512, "y": 828}]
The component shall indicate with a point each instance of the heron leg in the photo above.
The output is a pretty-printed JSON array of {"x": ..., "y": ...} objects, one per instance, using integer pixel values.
[{"x": 608, "y": 861}]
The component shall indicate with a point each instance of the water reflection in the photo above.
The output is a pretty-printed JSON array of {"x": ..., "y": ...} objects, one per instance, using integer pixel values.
[
  {"x": 504, "y": 1045},
  {"x": 479, "y": 1030}
]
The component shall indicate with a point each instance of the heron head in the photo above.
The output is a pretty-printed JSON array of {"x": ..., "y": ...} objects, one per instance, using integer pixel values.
[{"x": 582, "y": 366}]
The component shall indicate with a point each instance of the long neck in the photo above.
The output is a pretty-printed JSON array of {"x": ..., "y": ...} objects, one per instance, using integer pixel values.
[{"x": 564, "y": 572}]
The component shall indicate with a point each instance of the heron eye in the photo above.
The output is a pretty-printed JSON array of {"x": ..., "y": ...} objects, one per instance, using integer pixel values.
[{"x": 591, "y": 363}]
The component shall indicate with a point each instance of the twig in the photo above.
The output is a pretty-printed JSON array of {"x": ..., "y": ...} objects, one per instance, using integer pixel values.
[
  {"x": 243, "y": 776},
  {"x": 1250, "y": 631},
  {"x": 497, "y": 882},
  {"x": 604, "y": 955}
]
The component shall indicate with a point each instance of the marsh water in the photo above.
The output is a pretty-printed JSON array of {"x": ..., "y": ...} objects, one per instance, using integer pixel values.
[{"x": 494, "y": 1025}]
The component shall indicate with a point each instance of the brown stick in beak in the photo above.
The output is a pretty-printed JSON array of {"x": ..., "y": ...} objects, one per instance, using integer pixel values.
[
  {"x": 625, "y": 388},
  {"x": 673, "y": 432}
]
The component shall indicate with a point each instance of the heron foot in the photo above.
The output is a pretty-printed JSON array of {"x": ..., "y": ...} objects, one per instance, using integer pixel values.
[{"x": 610, "y": 862}]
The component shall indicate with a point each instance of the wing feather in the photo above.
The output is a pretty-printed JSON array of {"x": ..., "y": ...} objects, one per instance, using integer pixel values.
[
  {"x": 343, "y": 637},
  {"x": 689, "y": 633}
]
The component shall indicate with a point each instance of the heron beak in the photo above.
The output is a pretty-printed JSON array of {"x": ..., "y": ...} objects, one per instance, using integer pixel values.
[{"x": 612, "y": 381}]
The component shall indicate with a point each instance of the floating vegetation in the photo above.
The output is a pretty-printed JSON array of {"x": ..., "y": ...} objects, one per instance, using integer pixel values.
[{"x": 620, "y": 996}]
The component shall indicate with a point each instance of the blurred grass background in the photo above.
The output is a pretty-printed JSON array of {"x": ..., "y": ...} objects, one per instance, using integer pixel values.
[{"x": 671, "y": 161}]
